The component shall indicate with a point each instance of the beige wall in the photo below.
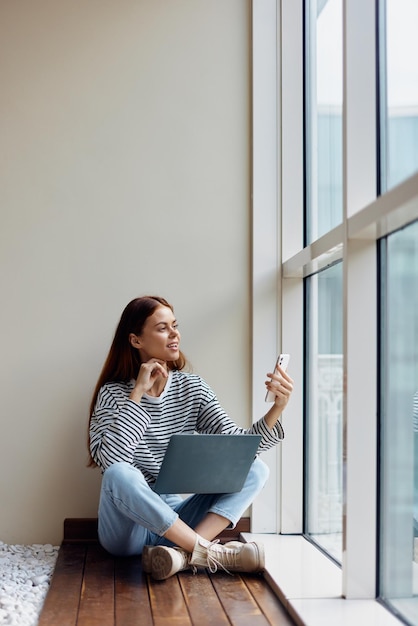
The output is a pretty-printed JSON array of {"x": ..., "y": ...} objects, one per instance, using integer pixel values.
[{"x": 124, "y": 170}]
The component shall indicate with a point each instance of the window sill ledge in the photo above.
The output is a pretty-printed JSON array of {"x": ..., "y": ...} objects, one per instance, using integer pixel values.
[{"x": 309, "y": 585}]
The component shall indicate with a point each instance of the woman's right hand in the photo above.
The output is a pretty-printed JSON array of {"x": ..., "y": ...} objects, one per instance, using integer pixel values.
[{"x": 148, "y": 375}]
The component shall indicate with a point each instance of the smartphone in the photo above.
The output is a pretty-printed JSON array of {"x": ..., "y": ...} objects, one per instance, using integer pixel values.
[{"x": 283, "y": 361}]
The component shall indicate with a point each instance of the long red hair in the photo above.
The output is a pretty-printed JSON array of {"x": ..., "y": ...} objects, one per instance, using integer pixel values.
[{"x": 123, "y": 361}]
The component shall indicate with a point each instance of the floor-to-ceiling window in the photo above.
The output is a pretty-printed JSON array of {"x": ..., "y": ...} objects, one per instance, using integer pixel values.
[
  {"x": 351, "y": 264},
  {"x": 398, "y": 306},
  {"x": 323, "y": 484},
  {"x": 345, "y": 214},
  {"x": 323, "y": 325},
  {"x": 399, "y": 421}
]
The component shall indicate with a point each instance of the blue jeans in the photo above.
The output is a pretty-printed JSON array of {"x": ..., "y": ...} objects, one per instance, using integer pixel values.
[{"x": 132, "y": 515}]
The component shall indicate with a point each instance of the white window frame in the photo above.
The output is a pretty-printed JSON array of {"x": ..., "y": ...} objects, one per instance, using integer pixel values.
[{"x": 265, "y": 253}]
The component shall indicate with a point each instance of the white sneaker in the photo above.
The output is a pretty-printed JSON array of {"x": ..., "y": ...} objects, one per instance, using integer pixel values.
[{"x": 233, "y": 556}]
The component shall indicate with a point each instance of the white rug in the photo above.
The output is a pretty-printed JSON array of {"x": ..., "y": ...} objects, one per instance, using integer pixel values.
[{"x": 25, "y": 574}]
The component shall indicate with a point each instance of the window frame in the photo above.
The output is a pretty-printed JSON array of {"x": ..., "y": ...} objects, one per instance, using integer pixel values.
[{"x": 278, "y": 301}]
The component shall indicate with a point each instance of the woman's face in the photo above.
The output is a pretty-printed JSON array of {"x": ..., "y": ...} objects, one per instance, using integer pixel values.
[{"x": 160, "y": 337}]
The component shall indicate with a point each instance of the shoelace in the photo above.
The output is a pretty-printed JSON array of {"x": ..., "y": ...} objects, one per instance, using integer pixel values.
[{"x": 226, "y": 554}]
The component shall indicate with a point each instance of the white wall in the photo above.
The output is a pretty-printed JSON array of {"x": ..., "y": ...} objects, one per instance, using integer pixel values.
[{"x": 124, "y": 171}]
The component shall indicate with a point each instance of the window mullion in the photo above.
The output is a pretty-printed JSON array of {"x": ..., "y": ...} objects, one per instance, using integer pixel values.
[
  {"x": 359, "y": 329},
  {"x": 265, "y": 325},
  {"x": 291, "y": 208}
]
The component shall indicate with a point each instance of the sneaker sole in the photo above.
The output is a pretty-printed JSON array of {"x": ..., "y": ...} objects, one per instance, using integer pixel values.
[{"x": 161, "y": 564}]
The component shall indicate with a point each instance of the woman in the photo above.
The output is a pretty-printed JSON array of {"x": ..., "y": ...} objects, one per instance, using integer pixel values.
[{"x": 142, "y": 397}]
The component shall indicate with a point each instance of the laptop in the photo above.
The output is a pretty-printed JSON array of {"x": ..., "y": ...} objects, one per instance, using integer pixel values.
[{"x": 206, "y": 463}]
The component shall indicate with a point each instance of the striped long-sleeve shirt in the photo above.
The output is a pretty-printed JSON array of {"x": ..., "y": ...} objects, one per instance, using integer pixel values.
[{"x": 123, "y": 430}]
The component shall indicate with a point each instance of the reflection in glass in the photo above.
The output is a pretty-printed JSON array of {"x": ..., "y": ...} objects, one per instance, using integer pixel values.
[
  {"x": 399, "y": 422},
  {"x": 399, "y": 90},
  {"x": 323, "y": 496},
  {"x": 323, "y": 111}
]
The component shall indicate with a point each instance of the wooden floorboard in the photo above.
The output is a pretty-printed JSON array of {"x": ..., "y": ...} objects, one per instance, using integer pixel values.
[
  {"x": 131, "y": 593},
  {"x": 167, "y": 603},
  {"x": 62, "y": 602},
  {"x": 97, "y": 600},
  {"x": 92, "y": 588},
  {"x": 238, "y": 603},
  {"x": 202, "y": 601}
]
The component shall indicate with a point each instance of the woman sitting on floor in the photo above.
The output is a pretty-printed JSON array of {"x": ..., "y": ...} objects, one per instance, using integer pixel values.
[{"x": 143, "y": 397}]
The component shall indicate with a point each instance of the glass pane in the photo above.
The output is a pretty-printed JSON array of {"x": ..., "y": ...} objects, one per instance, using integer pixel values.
[
  {"x": 323, "y": 111},
  {"x": 399, "y": 422},
  {"x": 323, "y": 486},
  {"x": 399, "y": 97}
]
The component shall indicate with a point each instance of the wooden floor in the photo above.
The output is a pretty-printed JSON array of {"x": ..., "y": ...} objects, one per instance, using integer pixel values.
[{"x": 89, "y": 587}]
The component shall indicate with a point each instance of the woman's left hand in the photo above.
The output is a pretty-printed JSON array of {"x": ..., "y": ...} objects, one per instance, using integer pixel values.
[{"x": 281, "y": 385}]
